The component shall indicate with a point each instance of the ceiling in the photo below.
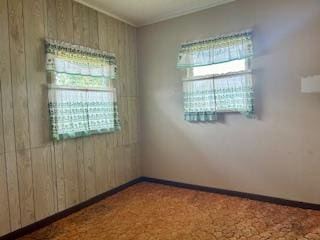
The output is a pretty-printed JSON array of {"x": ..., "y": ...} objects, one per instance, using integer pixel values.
[{"x": 143, "y": 12}]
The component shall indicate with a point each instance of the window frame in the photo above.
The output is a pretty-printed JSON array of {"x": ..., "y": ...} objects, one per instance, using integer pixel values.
[{"x": 62, "y": 58}]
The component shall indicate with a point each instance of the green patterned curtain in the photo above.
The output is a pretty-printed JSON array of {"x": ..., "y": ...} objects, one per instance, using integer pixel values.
[
  {"x": 199, "y": 102},
  {"x": 235, "y": 94},
  {"x": 102, "y": 112},
  {"x": 68, "y": 114},
  {"x": 96, "y": 65},
  {"x": 203, "y": 97},
  {"x": 82, "y": 99},
  {"x": 217, "y": 50}
]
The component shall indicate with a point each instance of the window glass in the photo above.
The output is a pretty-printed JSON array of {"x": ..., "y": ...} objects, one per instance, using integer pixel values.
[{"x": 221, "y": 68}]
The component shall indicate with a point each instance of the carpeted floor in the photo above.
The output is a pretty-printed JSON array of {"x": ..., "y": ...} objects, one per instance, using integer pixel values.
[{"x": 155, "y": 212}]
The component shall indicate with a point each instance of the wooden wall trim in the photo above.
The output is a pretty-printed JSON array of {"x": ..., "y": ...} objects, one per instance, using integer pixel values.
[
  {"x": 251, "y": 196},
  {"x": 49, "y": 220}
]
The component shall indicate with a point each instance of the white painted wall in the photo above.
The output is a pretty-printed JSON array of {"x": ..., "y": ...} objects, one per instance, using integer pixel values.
[{"x": 276, "y": 155}]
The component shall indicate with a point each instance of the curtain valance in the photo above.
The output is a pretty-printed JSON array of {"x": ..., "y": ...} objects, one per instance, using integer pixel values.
[
  {"x": 67, "y": 58},
  {"x": 216, "y": 50}
]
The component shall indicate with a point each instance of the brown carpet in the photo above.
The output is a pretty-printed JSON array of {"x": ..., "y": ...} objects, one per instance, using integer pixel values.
[{"x": 149, "y": 211}]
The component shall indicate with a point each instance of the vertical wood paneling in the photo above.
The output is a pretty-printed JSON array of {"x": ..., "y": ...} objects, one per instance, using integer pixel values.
[
  {"x": 136, "y": 120},
  {"x": 65, "y": 33},
  {"x": 77, "y": 22},
  {"x": 100, "y": 145},
  {"x": 127, "y": 163},
  {"x": 113, "y": 28},
  {"x": 13, "y": 191},
  {"x": 5, "y": 79},
  {"x": 21, "y": 110},
  {"x": 101, "y": 161},
  {"x": 4, "y": 206},
  {"x": 89, "y": 166},
  {"x": 8, "y": 126},
  {"x": 57, "y": 151},
  {"x": 100, "y": 153},
  {"x": 130, "y": 120},
  {"x": 120, "y": 54},
  {"x": 112, "y": 167},
  {"x": 33, "y": 12},
  {"x": 93, "y": 29},
  {"x": 125, "y": 59},
  {"x": 102, "y": 28},
  {"x": 125, "y": 124},
  {"x": 70, "y": 167},
  {"x": 1, "y": 124},
  {"x": 90, "y": 38},
  {"x": 50, "y": 22},
  {"x": 39, "y": 177},
  {"x": 42, "y": 181},
  {"x": 108, "y": 37},
  {"x": 135, "y": 88},
  {"x": 105, "y": 165},
  {"x": 81, "y": 170},
  {"x": 64, "y": 20},
  {"x": 77, "y": 31},
  {"x": 54, "y": 179},
  {"x": 132, "y": 60},
  {"x": 19, "y": 83},
  {"x": 116, "y": 155},
  {"x": 51, "y": 19},
  {"x": 89, "y": 143},
  {"x": 136, "y": 159},
  {"x": 122, "y": 82},
  {"x": 129, "y": 60},
  {"x": 4, "y": 69},
  {"x": 26, "y": 194},
  {"x": 60, "y": 185}
]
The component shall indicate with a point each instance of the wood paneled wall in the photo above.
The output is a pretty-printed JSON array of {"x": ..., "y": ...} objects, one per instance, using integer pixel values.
[{"x": 38, "y": 177}]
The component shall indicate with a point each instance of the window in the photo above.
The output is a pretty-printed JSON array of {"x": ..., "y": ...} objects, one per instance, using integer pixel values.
[
  {"x": 218, "y": 77},
  {"x": 221, "y": 68},
  {"x": 82, "y": 97}
]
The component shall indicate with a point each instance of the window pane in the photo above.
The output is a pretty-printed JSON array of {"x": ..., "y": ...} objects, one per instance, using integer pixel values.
[{"x": 222, "y": 68}]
